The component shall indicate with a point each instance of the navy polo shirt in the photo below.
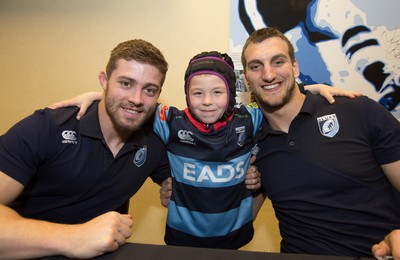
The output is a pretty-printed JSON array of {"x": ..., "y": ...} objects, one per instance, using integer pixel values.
[
  {"x": 324, "y": 177},
  {"x": 69, "y": 173}
]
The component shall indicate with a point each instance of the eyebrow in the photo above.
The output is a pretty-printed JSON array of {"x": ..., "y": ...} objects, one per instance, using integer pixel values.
[
  {"x": 126, "y": 78},
  {"x": 134, "y": 81},
  {"x": 275, "y": 57},
  {"x": 280, "y": 56}
]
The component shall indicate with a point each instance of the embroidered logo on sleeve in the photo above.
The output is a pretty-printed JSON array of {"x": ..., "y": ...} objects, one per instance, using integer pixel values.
[
  {"x": 240, "y": 135},
  {"x": 328, "y": 125}
]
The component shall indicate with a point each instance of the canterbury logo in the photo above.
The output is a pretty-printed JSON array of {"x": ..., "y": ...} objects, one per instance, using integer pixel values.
[
  {"x": 69, "y": 137},
  {"x": 185, "y": 135}
]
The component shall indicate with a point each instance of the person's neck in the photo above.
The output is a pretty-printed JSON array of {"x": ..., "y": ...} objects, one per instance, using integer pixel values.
[
  {"x": 279, "y": 119},
  {"x": 114, "y": 140}
]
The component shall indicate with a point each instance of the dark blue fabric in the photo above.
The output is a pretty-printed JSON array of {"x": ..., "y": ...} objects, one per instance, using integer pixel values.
[
  {"x": 70, "y": 175},
  {"x": 210, "y": 206},
  {"x": 329, "y": 193}
]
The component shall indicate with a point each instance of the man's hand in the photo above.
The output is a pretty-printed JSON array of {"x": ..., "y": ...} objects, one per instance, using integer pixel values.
[
  {"x": 329, "y": 92},
  {"x": 253, "y": 179},
  {"x": 83, "y": 101},
  {"x": 389, "y": 246},
  {"x": 166, "y": 192},
  {"x": 105, "y": 233}
]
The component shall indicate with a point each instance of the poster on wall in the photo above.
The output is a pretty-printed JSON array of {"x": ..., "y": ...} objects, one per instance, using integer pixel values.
[{"x": 350, "y": 44}]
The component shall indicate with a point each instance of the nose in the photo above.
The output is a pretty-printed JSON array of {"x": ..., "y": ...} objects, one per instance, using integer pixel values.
[
  {"x": 269, "y": 74},
  {"x": 136, "y": 97},
  {"x": 207, "y": 99}
]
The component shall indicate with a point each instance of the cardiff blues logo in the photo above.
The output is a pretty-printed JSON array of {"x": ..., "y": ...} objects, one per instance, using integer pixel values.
[
  {"x": 240, "y": 135},
  {"x": 140, "y": 156},
  {"x": 328, "y": 125}
]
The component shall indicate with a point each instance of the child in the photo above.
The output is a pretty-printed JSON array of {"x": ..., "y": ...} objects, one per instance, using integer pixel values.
[{"x": 209, "y": 147}]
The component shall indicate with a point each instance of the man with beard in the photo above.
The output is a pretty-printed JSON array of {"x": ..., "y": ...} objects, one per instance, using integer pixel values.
[
  {"x": 65, "y": 183},
  {"x": 332, "y": 171}
]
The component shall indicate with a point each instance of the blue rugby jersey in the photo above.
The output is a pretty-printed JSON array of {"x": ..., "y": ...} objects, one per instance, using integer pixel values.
[{"x": 210, "y": 206}]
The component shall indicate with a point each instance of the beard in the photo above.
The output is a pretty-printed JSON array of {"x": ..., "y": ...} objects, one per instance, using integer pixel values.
[
  {"x": 121, "y": 124},
  {"x": 276, "y": 103}
]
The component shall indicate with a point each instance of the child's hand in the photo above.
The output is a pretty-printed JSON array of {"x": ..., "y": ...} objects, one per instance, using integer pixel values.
[
  {"x": 83, "y": 101},
  {"x": 328, "y": 92}
]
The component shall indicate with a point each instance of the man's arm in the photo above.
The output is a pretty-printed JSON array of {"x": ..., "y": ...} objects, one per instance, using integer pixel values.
[
  {"x": 258, "y": 200},
  {"x": 27, "y": 238},
  {"x": 253, "y": 179},
  {"x": 391, "y": 244},
  {"x": 392, "y": 172},
  {"x": 166, "y": 192},
  {"x": 83, "y": 101},
  {"x": 329, "y": 92}
]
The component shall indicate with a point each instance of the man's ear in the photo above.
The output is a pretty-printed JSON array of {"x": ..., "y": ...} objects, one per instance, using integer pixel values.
[
  {"x": 296, "y": 69},
  {"x": 103, "y": 79},
  {"x": 246, "y": 82}
]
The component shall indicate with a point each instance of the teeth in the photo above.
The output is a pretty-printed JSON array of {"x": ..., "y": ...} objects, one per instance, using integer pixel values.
[
  {"x": 270, "y": 87},
  {"x": 131, "y": 111}
]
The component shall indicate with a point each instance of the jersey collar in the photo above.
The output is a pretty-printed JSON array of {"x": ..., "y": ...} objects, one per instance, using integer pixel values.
[
  {"x": 207, "y": 128},
  {"x": 309, "y": 108}
]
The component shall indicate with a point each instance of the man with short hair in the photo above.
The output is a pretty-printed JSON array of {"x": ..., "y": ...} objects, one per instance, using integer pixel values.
[
  {"x": 332, "y": 171},
  {"x": 62, "y": 179}
]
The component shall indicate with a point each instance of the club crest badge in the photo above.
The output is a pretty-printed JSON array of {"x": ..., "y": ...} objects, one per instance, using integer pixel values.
[
  {"x": 328, "y": 125},
  {"x": 240, "y": 135},
  {"x": 140, "y": 156}
]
